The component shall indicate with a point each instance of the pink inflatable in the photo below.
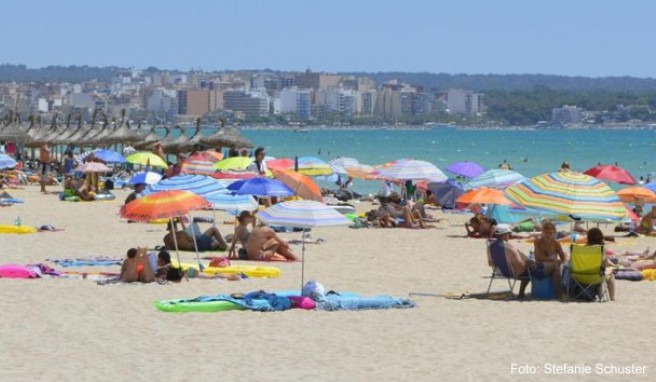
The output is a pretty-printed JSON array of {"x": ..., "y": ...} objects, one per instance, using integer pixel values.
[{"x": 13, "y": 271}]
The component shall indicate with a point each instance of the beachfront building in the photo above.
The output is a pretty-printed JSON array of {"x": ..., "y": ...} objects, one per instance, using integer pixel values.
[
  {"x": 367, "y": 102},
  {"x": 388, "y": 102},
  {"x": 566, "y": 114},
  {"x": 297, "y": 102},
  {"x": 252, "y": 104},
  {"x": 337, "y": 100},
  {"x": 465, "y": 102}
]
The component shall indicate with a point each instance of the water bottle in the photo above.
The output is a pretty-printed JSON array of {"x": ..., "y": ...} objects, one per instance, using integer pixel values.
[{"x": 17, "y": 221}]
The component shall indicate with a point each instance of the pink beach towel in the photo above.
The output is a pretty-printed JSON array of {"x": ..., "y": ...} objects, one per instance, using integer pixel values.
[{"x": 14, "y": 271}]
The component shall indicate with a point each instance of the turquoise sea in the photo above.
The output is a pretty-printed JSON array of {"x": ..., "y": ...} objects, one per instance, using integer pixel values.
[{"x": 530, "y": 152}]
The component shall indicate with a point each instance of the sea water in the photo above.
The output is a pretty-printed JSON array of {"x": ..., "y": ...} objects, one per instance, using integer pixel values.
[{"x": 529, "y": 152}]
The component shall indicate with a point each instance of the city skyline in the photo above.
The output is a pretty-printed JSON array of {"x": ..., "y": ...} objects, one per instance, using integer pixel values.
[{"x": 585, "y": 38}]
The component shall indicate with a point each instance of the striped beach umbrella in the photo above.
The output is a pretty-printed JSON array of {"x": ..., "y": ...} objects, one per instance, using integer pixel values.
[
  {"x": 198, "y": 184},
  {"x": 413, "y": 170},
  {"x": 226, "y": 201},
  {"x": 339, "y": 165},
  {"x": 496, "y": 178},
  {"x": 163, "y": 205},
  {"x": 302, "y": 214},
  {"x": 201, "y": 163},
  {"x": 569, "y": 194}
]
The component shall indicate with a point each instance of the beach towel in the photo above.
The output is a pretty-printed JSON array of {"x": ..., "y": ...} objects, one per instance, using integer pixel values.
[
  {"x": 15, "y": 271},
  {"x": 87, "y": 262}
]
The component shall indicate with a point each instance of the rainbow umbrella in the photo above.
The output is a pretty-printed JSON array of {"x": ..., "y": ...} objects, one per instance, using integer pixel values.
[
  {"x": 569, "y": 194},
  {"x": 495, "y": 178},
  {"x": 412, "y": 170},
  {"x": 146, "y": 157},
  {"x": 165, "y": 205},
  {"x": 201, "y": 163},
  {"x": 302, "y": 214}
]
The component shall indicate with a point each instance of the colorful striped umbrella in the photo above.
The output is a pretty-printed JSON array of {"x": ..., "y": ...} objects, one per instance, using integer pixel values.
[
  {"x": 569, "y": 194},
  {"x": 413, "y": 170},
  {"x": 163, "y": 205},
  {"x": 146, "y": 157},
  {"x": 201, "y": 163},
  {"x": 362, "y": 171},
  {"x": 496, "y": 178},
  {"x": 198, "y": 184}
]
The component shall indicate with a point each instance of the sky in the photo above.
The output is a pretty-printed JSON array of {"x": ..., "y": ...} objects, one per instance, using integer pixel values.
[{"x": 563, "y": 37}]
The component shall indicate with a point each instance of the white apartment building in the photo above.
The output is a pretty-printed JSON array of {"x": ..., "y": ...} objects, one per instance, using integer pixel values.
[{"x": 466, "y": 102}]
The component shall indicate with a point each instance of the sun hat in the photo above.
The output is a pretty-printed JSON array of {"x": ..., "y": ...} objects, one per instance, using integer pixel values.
[{"x": 502, "y": 229}]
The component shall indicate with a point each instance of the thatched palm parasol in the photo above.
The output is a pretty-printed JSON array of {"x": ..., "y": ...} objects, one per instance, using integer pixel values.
[
  {"x": 226, "y": 137},
  {"x": 14, "y": 133},
  {"x": 123, "y": 135},
  {"x": 39, "y": 135},
  {"x": 85, "y": 134},
  {"x": 104, "y": 133},
  {"x": 64, "y": 137},
  {"x": 192, "y": 143},
  {"x": 170, "y": 146},
  {"x": 150, "y": 138}
]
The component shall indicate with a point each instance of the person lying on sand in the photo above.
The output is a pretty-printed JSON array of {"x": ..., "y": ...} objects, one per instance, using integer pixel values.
[
  {"x": 166, "y": 272},
  {"x": 263, "y": 244},
  {"x": 209, "y": 240}
]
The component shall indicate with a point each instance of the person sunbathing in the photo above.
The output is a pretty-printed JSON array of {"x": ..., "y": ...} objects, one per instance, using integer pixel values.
[
  {"x": 209, "y": 240},
  {"x": 263, "y": 244},
  {"x": 411, "y": 219},
  {"x": 166, "y": 272}
]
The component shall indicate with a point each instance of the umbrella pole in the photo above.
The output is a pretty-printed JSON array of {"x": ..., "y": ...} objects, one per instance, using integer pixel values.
[
  {"x": 303, "y": 260},
  {"x": 175, "y": 242},
  {"x": 193, "y": 235}
]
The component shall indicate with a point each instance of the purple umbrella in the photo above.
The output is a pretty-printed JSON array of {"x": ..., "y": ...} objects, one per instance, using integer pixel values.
[{"x": 466, "y": 169}]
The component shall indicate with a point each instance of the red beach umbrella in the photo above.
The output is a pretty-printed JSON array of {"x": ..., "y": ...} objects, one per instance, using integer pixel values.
[{"x": 613, "y": 173}]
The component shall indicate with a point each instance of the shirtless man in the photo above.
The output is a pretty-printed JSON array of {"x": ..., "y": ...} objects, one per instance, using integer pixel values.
[
  {"x": 44, "y": 159},
  {"x": 263, "y": 244},
  {"x": 209, "y": 240}
]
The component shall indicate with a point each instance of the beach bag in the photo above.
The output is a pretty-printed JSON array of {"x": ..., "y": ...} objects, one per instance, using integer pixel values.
[{"x": 220, "y": 262}]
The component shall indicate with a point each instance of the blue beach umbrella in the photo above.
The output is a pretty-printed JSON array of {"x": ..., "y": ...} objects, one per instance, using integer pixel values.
[
  {"x": 109, "y": 156},
  {"x": 226, "y": 201},
  {"x": 260, "y": 187},
  {"x": 6, "y": 161},
  {"x": 496, "y": 178},
  {"x": 198, "y": 184},
  {"x": 145, "y": 177}
]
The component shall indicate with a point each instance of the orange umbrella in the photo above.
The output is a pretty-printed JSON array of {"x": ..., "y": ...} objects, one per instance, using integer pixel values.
[
  {"x": 163, "y": 205},
  {"x": 302, "y": 185},
  {"x": 484, "y": 195},
  {"x": 634, "y": 194},
  {"x": 362, "y": 171}
]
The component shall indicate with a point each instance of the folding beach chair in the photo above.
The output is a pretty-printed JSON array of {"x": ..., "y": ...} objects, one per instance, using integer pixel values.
[
  {"x": 502, "y": 268},
  {"x": 587, "y": 278}
]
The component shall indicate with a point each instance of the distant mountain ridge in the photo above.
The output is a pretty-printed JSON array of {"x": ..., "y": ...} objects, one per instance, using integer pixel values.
[{"x": 429, "y": 81}]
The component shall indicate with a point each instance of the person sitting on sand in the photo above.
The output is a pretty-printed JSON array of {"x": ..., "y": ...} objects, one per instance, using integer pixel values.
[
  {"x": 518, "y": 261},
  {"x": 596, "y": 237},
  {"x": 412, "y": 219},
  {"x": 209, "y": 240},
  {"x": 550, "y": 254},
  {"x": 241, "y": 236},
  {"x": 263, "y": 244},
  {"x": 136, "y": 267}
]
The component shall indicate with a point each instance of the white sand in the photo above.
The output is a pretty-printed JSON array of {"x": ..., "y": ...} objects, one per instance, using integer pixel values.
[{"x": 75, "y": 330}]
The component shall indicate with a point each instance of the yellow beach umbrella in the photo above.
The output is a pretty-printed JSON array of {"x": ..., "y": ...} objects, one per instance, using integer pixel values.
[
  {"x": 145, "y": 157},
  {"x": 236, "y": 164}
]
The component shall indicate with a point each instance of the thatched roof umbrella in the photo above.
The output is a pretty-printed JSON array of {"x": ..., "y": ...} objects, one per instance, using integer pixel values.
[
  {"x": 152, "y": 138},
  {"x": 123, "y": 134},
  {"x": 81, "y": 132},
  {"x": 104, "y": 133},
  {"x": 148, "y": 138},
  {"x": 88, "y": 134},
  {"x": 39, "y": 136},
  {"x": 226, "y": 138},
  {"x": 65, "y": 137},
  {"x": 170, "y": 146},
  {"x": 14, "y": 133},
  {"x": 192, "y": 143}
]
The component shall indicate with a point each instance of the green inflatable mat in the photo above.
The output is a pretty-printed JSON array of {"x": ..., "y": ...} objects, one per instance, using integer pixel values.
[{"x": 206, "y": 306}]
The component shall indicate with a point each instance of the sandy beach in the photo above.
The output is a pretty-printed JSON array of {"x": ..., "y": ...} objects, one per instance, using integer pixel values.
[{"x": 75, "y": 330}]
